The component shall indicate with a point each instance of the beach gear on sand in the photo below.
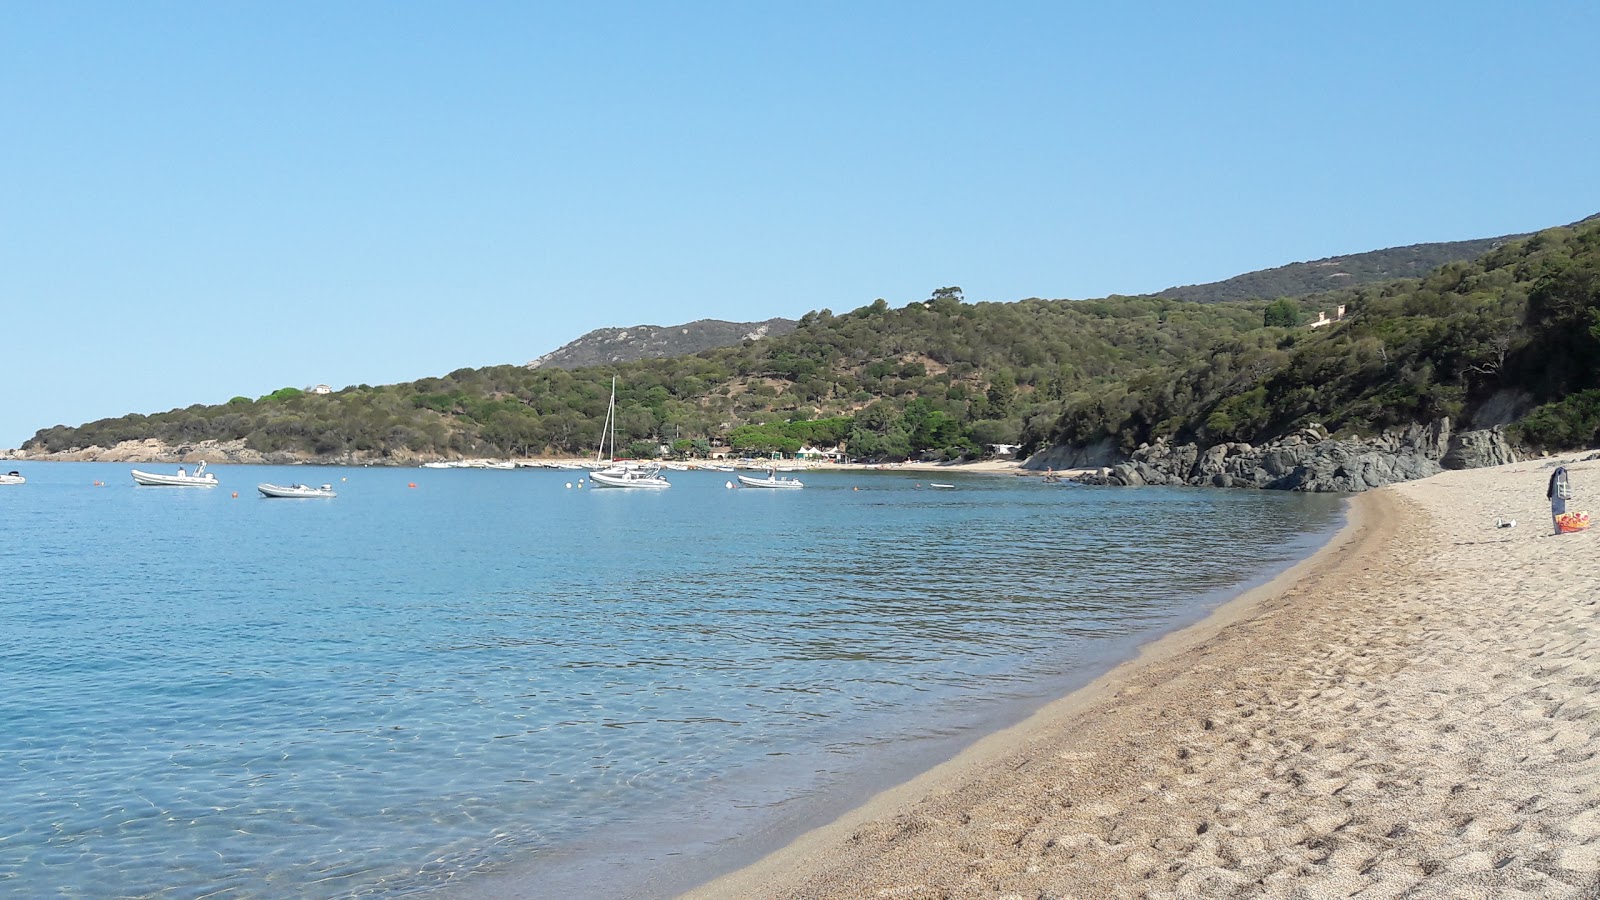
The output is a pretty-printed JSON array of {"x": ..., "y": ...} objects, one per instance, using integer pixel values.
[
  {"x": 1572, "y": 521},
  {"x": 1560, "y": 485},
  {"x": 1558, "y": 493}
]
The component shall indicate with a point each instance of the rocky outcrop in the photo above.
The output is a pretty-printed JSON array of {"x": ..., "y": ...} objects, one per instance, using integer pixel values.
[
  {"x": 155, "y": 451},
  {"x": 1477, "y": 449},
  {"x": 1063, "y": 456},
  {"x": 1311, "y": 460},
  {"x": 606, "y": 346}
]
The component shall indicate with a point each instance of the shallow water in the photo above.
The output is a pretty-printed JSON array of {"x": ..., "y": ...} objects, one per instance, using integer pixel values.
[{"x": 404, "y": 688}]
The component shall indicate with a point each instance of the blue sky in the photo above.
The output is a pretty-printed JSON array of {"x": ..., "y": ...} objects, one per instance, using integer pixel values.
[{"x": 199, "y": 201}]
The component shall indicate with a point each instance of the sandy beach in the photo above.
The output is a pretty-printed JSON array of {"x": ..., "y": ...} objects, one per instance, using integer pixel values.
[{"x": 1410, "y": 712}]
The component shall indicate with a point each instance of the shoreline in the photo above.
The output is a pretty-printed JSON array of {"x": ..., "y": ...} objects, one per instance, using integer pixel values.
[
  {"x": 974, "y": 467},
  {"x": 234, "y": 453},
  {"x": 708, "y": 846},
  {"x": 1372, "y": 718},
  {"x": 792, "y": 861}
]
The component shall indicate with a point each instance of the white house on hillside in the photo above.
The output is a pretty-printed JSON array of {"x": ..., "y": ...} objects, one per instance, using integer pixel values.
[{"x": 1322, "y": 317}]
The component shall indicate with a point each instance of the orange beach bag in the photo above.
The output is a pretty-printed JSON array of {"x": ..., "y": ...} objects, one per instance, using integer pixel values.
[{"x": 1573, "y": 521}]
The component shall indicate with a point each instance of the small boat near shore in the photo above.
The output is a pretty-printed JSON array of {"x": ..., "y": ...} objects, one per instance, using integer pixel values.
[
  {"x": 621, "y": 474},
  {"x": 771, "y": 481},
  {"x": 200, "y": 478},
  {"x": 13, "y": 477},
  {"x": 629, "y": 477},
  {"x": 295, "y": 490}
]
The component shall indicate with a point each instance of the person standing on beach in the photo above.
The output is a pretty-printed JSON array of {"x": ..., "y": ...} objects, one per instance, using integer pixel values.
[{"x": 1559, "y": 492}]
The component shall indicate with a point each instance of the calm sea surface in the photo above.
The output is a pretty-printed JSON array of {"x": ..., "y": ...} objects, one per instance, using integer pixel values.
[{"x": 490, "y": 682}]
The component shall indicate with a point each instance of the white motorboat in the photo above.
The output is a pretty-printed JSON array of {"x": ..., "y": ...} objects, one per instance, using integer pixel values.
[
  {"x": 200, "y": 478},
  {"x": 13, "y": 477},
  {"x": 295, "y": 490},
  {"x": 772, "y": 481},
  {"x": 625, "y": 474}
]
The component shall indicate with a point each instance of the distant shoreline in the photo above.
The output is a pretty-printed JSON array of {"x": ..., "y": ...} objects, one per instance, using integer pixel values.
[{"x": 235, "y": 453}]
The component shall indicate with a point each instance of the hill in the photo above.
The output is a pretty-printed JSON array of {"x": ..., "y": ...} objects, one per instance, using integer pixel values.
[
  {"x": 1509, "y": 338},
  {"x": 1512, "y": 338},
  {"x": 1338, "y": 272},
  {"x": 606, "y": 346}
]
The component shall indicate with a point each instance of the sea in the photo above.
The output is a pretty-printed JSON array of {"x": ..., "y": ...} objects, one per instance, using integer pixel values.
[{"x": 484, "y": 683}]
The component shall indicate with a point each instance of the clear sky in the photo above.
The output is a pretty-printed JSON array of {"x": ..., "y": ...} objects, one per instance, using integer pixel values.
[{"x": 203, "y": 200}]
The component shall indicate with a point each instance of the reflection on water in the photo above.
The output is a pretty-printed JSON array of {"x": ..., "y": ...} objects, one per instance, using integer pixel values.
[{"x": 402, "y": 687}]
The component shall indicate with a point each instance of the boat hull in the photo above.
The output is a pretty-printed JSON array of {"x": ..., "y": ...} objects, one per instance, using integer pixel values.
[
  {"x": 13, "y": 479},
  {"x": 632, "y": 480},
  {"x": 295, "y": 492},
  {"x": 782, "y": 484},
  {"x": 156, "y": 479}
]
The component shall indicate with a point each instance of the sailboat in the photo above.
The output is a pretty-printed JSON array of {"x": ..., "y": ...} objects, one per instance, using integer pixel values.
[{"x": 621, "y": 475}]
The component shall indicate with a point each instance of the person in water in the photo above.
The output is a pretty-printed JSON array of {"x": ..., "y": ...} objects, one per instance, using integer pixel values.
[{"x": 1558, "y": 493}]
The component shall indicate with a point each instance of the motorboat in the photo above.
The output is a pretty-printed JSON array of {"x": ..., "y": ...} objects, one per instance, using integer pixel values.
[
  {"x": 13, "y": 477},
  {"x": 295, "y": 490},
  {"x": 200, "y": 478},
  {"x": 939, "y": 485},
  {"x": 772, "y": 481}
]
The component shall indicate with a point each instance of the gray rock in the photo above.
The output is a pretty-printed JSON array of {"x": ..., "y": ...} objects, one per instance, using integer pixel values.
[
  {"x": 1310, "y": 460},
  {"x": 1477, "y": 449}
]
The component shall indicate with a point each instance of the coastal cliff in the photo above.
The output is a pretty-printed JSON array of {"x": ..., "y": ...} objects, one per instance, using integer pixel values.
[{"x": 1311, "y": 460}]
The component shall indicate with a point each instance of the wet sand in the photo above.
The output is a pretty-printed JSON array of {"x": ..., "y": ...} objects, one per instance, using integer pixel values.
[{"x": 1410, "y": 712}]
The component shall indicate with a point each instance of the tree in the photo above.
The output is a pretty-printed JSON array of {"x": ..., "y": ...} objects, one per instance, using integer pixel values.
[{"x": 1281, "y": 313}]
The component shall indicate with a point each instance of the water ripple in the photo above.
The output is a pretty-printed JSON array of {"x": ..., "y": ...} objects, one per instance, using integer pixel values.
[{"x": 404, "y": 687}]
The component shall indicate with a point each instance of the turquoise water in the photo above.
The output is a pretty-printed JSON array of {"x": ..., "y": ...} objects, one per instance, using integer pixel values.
[{"x": 490, "y": 676}]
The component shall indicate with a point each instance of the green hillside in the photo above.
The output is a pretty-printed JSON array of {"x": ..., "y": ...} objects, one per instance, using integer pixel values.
[
  {"x": 1338, "y": 272},
  {"x": 1511, "y": 337},
  {"x": 939, "y": 375}
]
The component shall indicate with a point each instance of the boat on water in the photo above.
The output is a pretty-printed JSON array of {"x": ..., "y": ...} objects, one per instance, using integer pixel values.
[
  {"x": 295, "y": 490},
  {"x": 629, "y": 477},
  {"x": 625, "y": 474},
  {"x": 772, "y": 481},
  {"x": 200, "y": 478},
  {"x": 941, "y": 486},
  {"x": 13, "y": 477}
]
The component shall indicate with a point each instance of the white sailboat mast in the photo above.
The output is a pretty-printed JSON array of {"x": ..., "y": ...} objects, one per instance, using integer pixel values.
[{"x": 610, "y": 427}]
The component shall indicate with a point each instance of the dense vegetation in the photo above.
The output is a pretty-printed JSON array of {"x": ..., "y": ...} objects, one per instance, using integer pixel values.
[
  {"x": 938, "y": 375},
  {"x": 1511, "y": 337}
]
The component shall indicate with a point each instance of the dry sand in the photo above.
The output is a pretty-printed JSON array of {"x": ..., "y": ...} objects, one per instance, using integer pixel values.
[{"x": 1411, "y": 712}]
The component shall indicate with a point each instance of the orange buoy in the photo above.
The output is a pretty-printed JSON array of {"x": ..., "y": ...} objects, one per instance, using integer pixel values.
[
  {"x": 411, "y": 484},
  {"x": 235, "y": 494}
]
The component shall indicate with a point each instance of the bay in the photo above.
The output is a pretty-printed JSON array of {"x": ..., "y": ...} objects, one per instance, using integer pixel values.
[{"x": 492, "y": 678}]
